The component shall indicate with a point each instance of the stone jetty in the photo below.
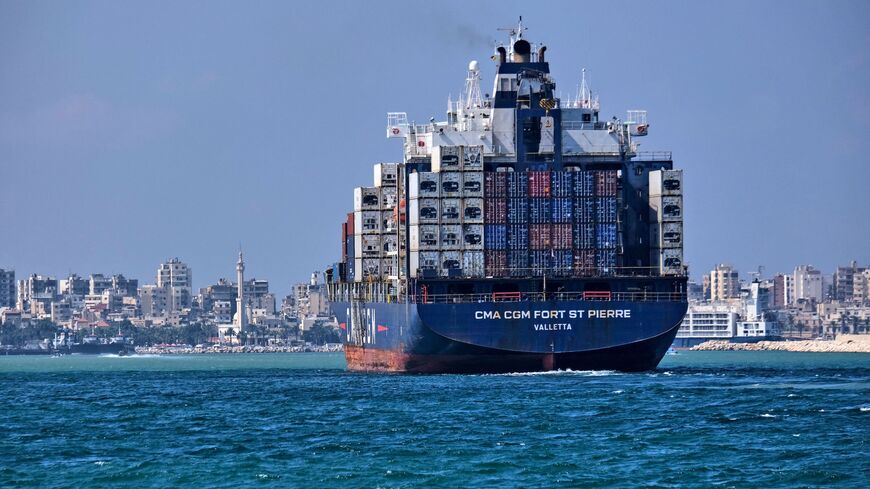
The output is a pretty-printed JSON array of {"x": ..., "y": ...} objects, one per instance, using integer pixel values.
[{"x": 845, "y": 343}]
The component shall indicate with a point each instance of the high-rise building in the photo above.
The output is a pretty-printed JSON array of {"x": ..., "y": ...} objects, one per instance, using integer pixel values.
[
  {"x": 782, "y": 291},
  {"x": 807, "y": 285},
  {"x": 176, "y": 279},
  {"x": 126, "y": 287},
  {"x": 7, "y": 288},
  {"x": 861, "y": 287},
  {"x": 844, "y": 281},
  {"x": 724, "y": 283},
  {"x": 153, "y": 300},
  {"x": 37, "y": 288},
  {"x": 74, "y": 286},
  {"x": 99, "y": 283}
]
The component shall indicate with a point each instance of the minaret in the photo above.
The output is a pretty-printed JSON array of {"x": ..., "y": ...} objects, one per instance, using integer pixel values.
[{"x": 240, "y": 304}]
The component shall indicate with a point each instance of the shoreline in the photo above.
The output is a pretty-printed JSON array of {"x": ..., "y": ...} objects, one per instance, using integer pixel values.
[
  {"x": 192, "y": 350},
  {"x": 846, "y": 343}
]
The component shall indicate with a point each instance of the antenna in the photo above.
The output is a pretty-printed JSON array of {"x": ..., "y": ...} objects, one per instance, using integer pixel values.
[{"x": 472, "y": 86}]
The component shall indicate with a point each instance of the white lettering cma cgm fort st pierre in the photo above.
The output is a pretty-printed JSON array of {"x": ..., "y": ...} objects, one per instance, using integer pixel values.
[{"x": 560, "y": 314}]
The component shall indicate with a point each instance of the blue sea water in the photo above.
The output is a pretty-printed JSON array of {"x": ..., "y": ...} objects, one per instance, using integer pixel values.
[{"x": 729, "y": 419}]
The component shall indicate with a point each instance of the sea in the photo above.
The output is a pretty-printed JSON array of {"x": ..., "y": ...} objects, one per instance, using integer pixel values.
[{"x": 702, "y": 419}]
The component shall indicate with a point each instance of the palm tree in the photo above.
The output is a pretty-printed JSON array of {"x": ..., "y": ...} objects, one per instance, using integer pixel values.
[{"x": 231, "y": 333}]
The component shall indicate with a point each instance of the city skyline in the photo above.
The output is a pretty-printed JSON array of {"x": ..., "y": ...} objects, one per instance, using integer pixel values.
[{"x": 137, "y": 141}]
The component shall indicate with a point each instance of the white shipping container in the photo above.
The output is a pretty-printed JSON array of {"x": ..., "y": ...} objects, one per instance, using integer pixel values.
[
  {"x": 424, "y": 185},
  {"x": 370, "y": 245},
  {"x": 451, "y": 184},
  {"x": 446, "y": 158},
  {"x": 451, "y": 237},
  {"x": 388, "y": 267},
  {"x": 367, "y": 222},
  {"x": 428, "y": 259},
  {"x": 388, "y": 222},
  {"x": 451, "y": 211},
  {"x": 371, "y": 268},
  {"x": 672, "y": 235},
  {"x": 386, "y": 174},
  {"x": 357, "y": 267},
  {"x": 389, "y": 244},
  {"x": 424, "y": 211},
  {"x": 424, "y": 237},
  {"x": 472, "y": 237},
  {"x": 472, "y": 210},
  {"x": 357, "y": 246},
  {"x": 472, "y": 264},
  {"x": 665, "y": 182},
  {"x": 472, "y": 158},
  {"x": 671, "y": 261},
  {"x": 366, "y": 198},
  {"x": 472, "y": 184},
  {"x": 388, "y": 197},
  {"x": 450, "y": 260},
  {"x": 666, "y": 208}
]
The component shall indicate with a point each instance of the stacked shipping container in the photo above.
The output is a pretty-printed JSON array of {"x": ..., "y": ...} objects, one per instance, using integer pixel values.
[
  {"x": 666, "y": 229},
  {"x": 371, "y": 233}
]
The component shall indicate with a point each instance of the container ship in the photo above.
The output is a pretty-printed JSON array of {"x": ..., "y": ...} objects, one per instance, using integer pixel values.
[{"x": 523, "y": 233}]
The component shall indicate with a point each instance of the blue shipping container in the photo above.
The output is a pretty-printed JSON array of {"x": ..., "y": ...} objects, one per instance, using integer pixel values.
[
  {"x": 518, "y": 263},
  {"x": 605, "y": 209},
  {"x": 606, "y": 261},
  {"x": 540, "y": 210},
  {"x": 518, "y": 184},
  {"x": 584, "y": 184},
  {"x": 563, "y": 210},
  {"x": 584, "y": 209},
  {"x": 584, "y": 236},
  {"x": 562, "y": 183},
  {"x": 606, "y": 236},
  {"x": 494, "y": 237},
  {"x": 518, "y": 210},
  {"x": 518, "y": 237},
  {"x": 563, "y": 262}
]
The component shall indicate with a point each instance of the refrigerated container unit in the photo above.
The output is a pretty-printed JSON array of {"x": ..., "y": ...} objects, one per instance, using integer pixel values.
[
  {"x": 540, "y": 210},
  {"x": 563, "y": 209},
  {"x": 472, "y": 184},
  {"x": 518, "y": 263},
  {"x": 389, "y": 244},
  {"x": 366, "y": 199},
  {"x": 424, "y": 185},
  {"x": 517, "y": 210},
  {"x": 389, "y": 198},
  {"x": 472, "y": 210},
  {"x": 389, "y": 267},
  {"x": 671, "y": 235},
  {"x": 424, "y": 237},
  {"x": 473, "y": 264},
  {"x": 426, "y": 262},
  {"x": 670, "y": 260},
  {"x": 494, "y": 237},
  {"x": 494, "y": 210},
  {"x": 472, "y": 158},
  {"x": 472, "y": 236},
  {"x": 539, "y": 183},
  {"x": 665, "y": 182},
  {"x": 446, "y": 158},
  {"x": 367, "y": 245},
  {"x": 495, "y": 185},
  {"x": 388, "y": 221},
  {"x": 518, "y": 237},
  {"x": 495, "y": 263},
  {"x": 562, "y": 183},
  {"x": 451, "y": 211},
  {"x": 667, "y": 208},
  {"x": 371, "y": 268},
  {"x": 451, "y": 184},
  {"x": 424, "y": 211},
  {"x": 451, "y": 264},
  {"x": 367, "y": 222},
  {"x": 517, "y": 184},
  {"x": 451, "y": 237},
  {"x": 386, "y": 174}
]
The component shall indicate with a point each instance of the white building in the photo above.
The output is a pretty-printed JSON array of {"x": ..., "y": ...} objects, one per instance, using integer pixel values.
[
  {"x": 807, "y": 283},
  {"x": 707, "y": 322},
  {"x": 177, "y": 279}
]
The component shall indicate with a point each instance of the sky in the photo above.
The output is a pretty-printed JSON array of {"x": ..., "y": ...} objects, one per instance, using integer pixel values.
[{"x": 133, "y": 132}]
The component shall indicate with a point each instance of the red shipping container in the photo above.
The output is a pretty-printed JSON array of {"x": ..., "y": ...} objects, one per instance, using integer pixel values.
[
  {"x": 584, "y": 262},
  {"x": 539, "y": 184},
  {"x": 562, "y": 236},
  {"x": 605, "y": 183},
  {"x": 494, "y": 211},
  {"x": 344, "y": 241},
  {"x": 350, "y": 230},
  {"x": 495, "y": 184},
  {"x": 495, "y": 263},
  {"x": 540, "y": 237}
]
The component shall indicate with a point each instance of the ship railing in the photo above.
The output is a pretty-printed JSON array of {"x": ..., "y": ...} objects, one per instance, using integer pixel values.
[
  {"x": 603, "y": 296},
  {"x": 653, "y": 156}
]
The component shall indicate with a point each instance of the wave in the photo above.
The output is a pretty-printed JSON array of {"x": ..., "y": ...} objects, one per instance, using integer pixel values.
[{"x": 581, "y": 373}]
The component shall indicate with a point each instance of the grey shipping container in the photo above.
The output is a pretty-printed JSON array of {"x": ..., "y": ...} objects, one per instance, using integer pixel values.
[
  {"x": 451, "y": 237},
  {"x": 472, "y": 184},
  {"x": 472, "y": 264},
  {"x": 451, "y": 211},
  {"x": 451, "y": 184},
  {"x": 472, "y": 158},
  {"x": 446, "y": 158},
  {"x": 472, "y": 210},
  {"x": 422, "y": 185},
  {"x": 472, "y": 236}
]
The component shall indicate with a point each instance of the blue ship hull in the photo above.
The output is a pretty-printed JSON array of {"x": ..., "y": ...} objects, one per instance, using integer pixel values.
[{"x": 498, "y": 337}]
